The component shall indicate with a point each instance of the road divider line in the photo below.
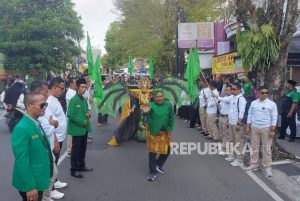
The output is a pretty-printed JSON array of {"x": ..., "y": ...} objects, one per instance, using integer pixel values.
[
  {"x": 62, "y": 158},
  {"x": 264, "y": 186},
  {"x": 281, "y": 162}
]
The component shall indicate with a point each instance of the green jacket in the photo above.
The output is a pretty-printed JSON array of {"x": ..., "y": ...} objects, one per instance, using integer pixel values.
[
  {"x": 32, "y": 167},
  {"x": 77, "y": 110}
]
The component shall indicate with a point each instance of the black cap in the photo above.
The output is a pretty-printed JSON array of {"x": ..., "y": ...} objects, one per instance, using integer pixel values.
[
  {"x": 80, "y": 81},
  {"x": 292, "y": 82}
]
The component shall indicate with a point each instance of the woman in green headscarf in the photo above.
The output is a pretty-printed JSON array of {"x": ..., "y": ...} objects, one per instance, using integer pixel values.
[{"x": 160, "y": 123}]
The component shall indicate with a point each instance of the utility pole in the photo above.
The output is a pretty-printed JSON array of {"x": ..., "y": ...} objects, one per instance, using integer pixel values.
[{"x": 180, "y": 59}]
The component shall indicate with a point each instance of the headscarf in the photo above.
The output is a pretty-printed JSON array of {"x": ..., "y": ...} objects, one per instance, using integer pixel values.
[{"x": 157, "y": 91}]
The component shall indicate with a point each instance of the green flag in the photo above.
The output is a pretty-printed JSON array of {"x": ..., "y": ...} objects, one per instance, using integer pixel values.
[
  {"x": 192, "y": 73},
  {"x": 98, "y": 94},
  {"x": 151, "y": 69},
  {"x": 89, "y": 57},
  {"x": 130, "y": 66}
]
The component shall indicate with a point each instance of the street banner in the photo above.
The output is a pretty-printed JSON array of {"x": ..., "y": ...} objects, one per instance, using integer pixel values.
[
  {"x": 191, "y": 35},
  {"x": 226, "y": 64}
]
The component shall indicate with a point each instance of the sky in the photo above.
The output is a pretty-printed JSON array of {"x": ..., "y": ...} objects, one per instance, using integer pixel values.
[{"x": 96, "y": 17}]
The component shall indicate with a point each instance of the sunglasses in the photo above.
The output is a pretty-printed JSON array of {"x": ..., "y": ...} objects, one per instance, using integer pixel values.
[
  {"x": 61, "y": 88},
  {"x": 264, "y": 92},
  {"x": 43, "y": 105}
]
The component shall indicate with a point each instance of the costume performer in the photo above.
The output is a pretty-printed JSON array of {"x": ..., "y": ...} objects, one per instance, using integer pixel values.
[{"x": 160, "y": 123}]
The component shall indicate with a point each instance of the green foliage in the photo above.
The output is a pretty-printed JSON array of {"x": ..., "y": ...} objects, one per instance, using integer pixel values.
[
  {"x": 148, "y": 27},
  {"x": 258, "y": 50},
  {"x": 39, "y": 36}
]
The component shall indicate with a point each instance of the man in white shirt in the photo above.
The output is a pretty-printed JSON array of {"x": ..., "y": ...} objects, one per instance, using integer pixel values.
[
  {"x": 69, "y": 95},
  {"x": 203, "y": 95},
  {"x": 211, "y": 112},
  {"x": 224, "y": 107},
  {"x": 54, "y": 109},
  {"x": 261, "y": 124},
  {"x": 235, "y": 117},
  {"x": 49, "y": 126}
]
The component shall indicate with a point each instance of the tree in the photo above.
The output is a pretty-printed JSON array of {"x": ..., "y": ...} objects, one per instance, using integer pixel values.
[
  {"x": 115, "y": 55},
  {"x": 148, "y": 27},
  {"x": 280, "y": 19},
  {"x": 39, "y": 36}
]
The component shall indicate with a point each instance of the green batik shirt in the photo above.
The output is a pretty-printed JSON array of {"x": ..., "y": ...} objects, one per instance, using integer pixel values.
[
  {"x": 293, "y": 94},
  {"x": 160, "y": 117},
  {"x": 248, "y": 88}
]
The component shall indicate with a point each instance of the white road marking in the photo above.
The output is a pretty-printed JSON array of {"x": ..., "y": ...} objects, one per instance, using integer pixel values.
[
  {"x": 263, "y": 185},
  {"x": 62, "y": 158},
  {"x": 281, "y": 162}
]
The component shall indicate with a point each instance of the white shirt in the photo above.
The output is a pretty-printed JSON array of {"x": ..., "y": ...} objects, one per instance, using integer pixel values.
[
  {"x": 185, "y": 99},
  {"x": 69, "y": 95},
  {"x": 87, "y": 96},
  {"x": 49, "y": 130},
  {"x": 235, "y": 113},
  {"x": 203, "y": 95},
  {"x": 212, "y": 103},
  {"x": 55, "y": 110},
  {"x": 262, "y": 114},
  {"x": 225, "y": 104}
]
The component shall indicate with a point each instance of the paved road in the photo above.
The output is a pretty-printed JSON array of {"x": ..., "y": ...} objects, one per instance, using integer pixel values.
[{"x": 120, "y": 173}]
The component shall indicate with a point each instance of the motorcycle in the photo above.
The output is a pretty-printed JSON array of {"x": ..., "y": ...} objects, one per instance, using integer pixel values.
[{"x": 13, "y": 116}]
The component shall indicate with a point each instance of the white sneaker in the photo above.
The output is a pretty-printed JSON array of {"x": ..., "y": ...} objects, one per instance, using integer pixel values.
[
  {"x": 56, "y": 195},
  {"x": 59, "y": 185},
  {"x": 252, "y": 167},
  {"x": 236, "y": 163},
  {"x": 268, "y": 172},
  {"x": 230, "y": 158}
]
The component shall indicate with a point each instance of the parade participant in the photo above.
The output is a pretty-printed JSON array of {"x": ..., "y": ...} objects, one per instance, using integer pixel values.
[
  {"x": 33, "y": 158},
  {"x": 55, "y": 110},
  {"x": 49, "y": 126},
  {"x": 69, "y": 95},
  {"x": 204, "y": 93},
  {"x": 79, "y": 125},
  {"x": 102, "y": 118},
  {"x": 160, "y": 121},
  {"x": 261, "y": 124},
  {"x": 235, "y": 117},
  {"x": 211, "y": 112},
  {"x": 288, "y": 110},
  {"x": 224, "y": 107}
]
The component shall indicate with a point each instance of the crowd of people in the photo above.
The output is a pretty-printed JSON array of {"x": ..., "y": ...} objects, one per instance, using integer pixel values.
[
  {"x": 224, "y": 113},
  {"x": 235, "y": 112},
  {"x": 51, "y": 114}
]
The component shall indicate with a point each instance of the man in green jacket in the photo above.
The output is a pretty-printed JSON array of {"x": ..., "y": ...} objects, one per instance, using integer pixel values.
[
  {"x": 33, "y": 166},
  {"x": 78, "y": 127}
]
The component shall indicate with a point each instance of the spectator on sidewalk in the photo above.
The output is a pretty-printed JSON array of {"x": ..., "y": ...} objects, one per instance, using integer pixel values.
[
  {"x": 288, "y": 110},
  {"x": 261, "y": 124}
]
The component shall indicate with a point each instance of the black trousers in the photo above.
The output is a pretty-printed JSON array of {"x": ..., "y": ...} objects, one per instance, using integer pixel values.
[
  {"x": 78, "y": 152},
  {"x": 102, "y": 118},
  {"x": 193, "y": 116},
  {"x": 154, "y": 161},
  {"x": 288, "y": 122},
  {"x": 58, "y": 154},
  {"x": 24, "y": 197}
]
